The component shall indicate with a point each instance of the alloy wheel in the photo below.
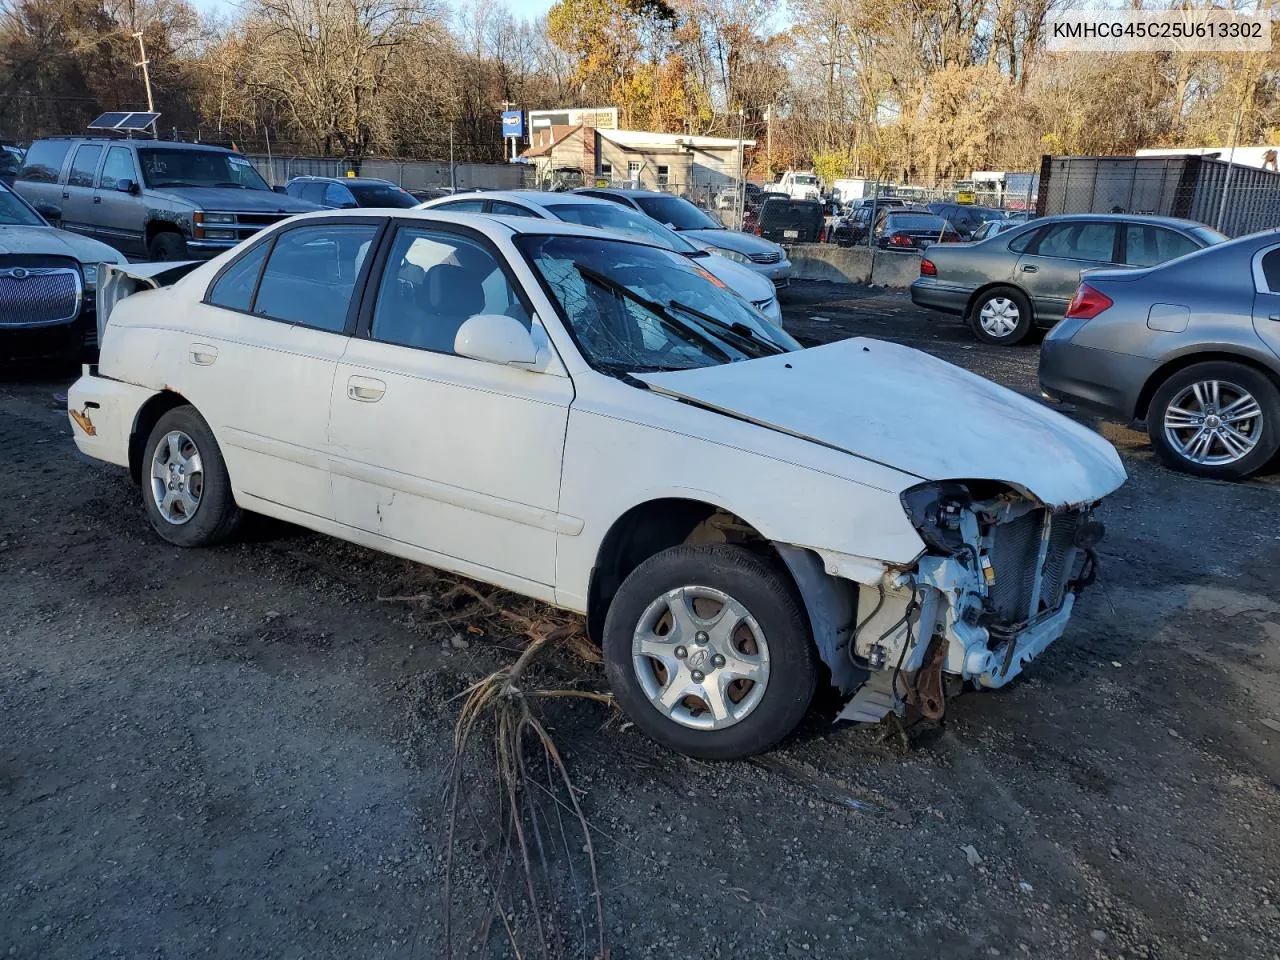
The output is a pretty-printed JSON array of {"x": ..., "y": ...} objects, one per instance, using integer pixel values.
[{"x": 1213, "y": 422}]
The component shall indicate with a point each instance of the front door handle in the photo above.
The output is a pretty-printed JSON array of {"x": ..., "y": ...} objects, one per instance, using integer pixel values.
[
  {"x": 1275, "y": 317},
  {"x": 65, "y": 195},
  {"x": 1029, "y": 268},
  {"x": 97, "y": 199},
  {"x": 365, "y": 389},
  {"x": 203, "y": 354}
]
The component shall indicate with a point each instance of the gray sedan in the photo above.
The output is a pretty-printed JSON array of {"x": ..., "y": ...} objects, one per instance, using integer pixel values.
[
  {"x": 1192, "y": 347},
  {"x": 1007, "y": 285}
]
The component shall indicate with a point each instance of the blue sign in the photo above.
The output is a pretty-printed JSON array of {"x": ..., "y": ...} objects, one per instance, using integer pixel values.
[{"x": 512, "y": 123}]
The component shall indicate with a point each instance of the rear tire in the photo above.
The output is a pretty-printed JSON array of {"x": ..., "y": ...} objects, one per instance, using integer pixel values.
[
  {"x": 186, "y": 490},
  {"x": 1001, "y": 315},
  {"x": 1237, "y": 423},
  {"x": 167, "y": 246},
  {"x": 724, "y": 624}
]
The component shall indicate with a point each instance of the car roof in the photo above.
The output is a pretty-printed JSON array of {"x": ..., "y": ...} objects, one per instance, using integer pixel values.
[
  {"x": 1121, "y": 218},
  {"x": 542, "y": 198},
  {"x": 513, "y": 225},
  {"x": 360, "y": 180},
  {"x": 163, "y": 144},
  {"x": 626, "y": 192}
]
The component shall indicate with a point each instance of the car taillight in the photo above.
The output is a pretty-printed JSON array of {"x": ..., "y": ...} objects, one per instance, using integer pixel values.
[
  {"x": 927, "y": 269},
  {"x": 758, "y": 232},
  {"x": 822, "y": 235},
  {"x": 1087, "y": 303},
  {"x": 900, "y": 240}
]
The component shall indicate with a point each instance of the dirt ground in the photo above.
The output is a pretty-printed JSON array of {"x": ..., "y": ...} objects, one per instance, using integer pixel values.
[{"x": 244, "y": 751}]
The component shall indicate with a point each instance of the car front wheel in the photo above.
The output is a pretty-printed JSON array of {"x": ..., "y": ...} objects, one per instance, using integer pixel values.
[
  {"x": 167, "y": 247},
  {"x": 709, "y": 652},
  {"x": 185, "y": 487},
  {"x": 1002, "y": 316},
  {"x": 1217, "y": 419}
]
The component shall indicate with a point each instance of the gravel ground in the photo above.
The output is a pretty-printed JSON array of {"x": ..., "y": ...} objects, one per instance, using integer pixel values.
[{"x": 244, "y": 751}]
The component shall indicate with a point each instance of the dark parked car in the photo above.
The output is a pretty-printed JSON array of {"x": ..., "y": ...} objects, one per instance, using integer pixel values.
[
  {"x": 346, "y": 193},
  {"x": 1007, "y": 285},
  {"x": 791, "y": 221},
  {"x": 966, "y": 218},
  {"x": 911, "y": 230},
  {"x": 1191, "y": 346},
  {"x": 47, "y": 282},
  {"x": 430, "y": 193},
  {"x": 151, "y": 198},
  {"x": 10, "y": 161}
]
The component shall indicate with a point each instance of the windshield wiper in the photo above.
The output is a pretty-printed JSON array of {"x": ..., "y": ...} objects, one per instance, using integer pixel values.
[
  {"x": 665, "y": 316},
  {"x": 743, "y": 336}
]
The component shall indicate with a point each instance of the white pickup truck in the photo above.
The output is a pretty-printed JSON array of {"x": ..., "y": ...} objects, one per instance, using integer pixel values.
[{"x": 800, "y": 185}]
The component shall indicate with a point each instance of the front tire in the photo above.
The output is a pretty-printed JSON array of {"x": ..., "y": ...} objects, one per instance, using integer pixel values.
[
  {"x": 185, "y": 487},
  {"x": 167, "y": 246},
  {"x": 709, "y": 651},
  {"x": 1217, "y": 419},
  {"x": 1001, "y": 316}
]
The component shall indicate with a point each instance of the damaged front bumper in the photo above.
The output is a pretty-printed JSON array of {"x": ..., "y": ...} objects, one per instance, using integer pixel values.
[{"x": 995, "y": 588}]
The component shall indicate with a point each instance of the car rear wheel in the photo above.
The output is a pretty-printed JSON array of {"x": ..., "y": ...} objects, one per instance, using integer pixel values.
[
  {"x": 708, "y": 651},
  {"x": 185, "y": 487},
  {"x": 1216, "y": 419},
  {"x": 1001, "y": 315},
  {"x": 167, "y": 246}
]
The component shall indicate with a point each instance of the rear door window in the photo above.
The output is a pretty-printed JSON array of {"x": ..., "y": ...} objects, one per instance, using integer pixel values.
[
  {"x": 311, "y": 274},
  {"x": 44, "y": 161},
  {"x": 85, "y": 165},
  {"x": 336, "y": 195},
  {"x": 1146, "y": 245}
]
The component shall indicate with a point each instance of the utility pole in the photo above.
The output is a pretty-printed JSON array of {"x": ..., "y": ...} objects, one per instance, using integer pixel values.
[
  {"x": 768, "y": 142},
  {"x": 146, "y": 79},
  {"x": 453, "y": 178},
  {"x": 742, "y": 180},
  {"x": 1226, "y": 179}
]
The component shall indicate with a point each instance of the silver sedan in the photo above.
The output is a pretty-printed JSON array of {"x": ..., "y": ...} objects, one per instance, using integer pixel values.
[
  {"x": 1191, "y": 346},
  {"x": 1009, "y": 284}
]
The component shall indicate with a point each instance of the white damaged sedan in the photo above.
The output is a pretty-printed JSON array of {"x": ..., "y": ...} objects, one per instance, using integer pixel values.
[{"x": 594, "y": 422}]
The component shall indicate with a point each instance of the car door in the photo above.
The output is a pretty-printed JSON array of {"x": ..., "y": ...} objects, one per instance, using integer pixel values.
[
  {"x": 120, "y": 211},
  {"x": 1266, "y": 297},
  {"x": 78, "y": 206},
  {"x": 257, "y": 359},
  {"x": 1049, "y": 269},
  {"x": 438, "y": 452}
]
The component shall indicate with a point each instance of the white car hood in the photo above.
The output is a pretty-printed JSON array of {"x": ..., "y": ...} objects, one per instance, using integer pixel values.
[
  {"x": 54, "y": 242},
  {"x": 912, "y": 412}
]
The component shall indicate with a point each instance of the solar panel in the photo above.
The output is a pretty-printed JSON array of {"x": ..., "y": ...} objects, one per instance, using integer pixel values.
[
  {"x": 137, "y": 121},
  {"x": 108, "y": 121}
]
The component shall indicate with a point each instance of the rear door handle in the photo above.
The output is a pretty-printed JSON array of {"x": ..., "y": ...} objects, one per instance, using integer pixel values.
[
  {"x": 1275, "y": 317},
  {"x": 97, "y": 199},
  {"x": 203, "y": 354},
  {"x": 365, "y": 389},
  {"x": 65, "y": 195},
  {"x": 1029, "y": 268}
]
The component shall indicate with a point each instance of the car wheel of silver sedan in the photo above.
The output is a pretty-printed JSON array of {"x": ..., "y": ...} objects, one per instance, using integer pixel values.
[
  {"x": 186, "y": 490},
  {"x": 1216, "y": 419},
  {"x": 709, "y": 652},
  {"x": 1001, "y": 315}
]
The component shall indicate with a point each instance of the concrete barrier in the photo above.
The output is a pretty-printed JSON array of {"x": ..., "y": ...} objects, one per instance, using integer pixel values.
[{"x": 826, "y": 261}]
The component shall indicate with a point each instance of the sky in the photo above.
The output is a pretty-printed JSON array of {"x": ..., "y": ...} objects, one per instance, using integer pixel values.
[{"x": 524, "y": 9}]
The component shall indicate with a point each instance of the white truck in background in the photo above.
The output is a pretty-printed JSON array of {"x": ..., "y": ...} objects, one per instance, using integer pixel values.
[{"x": 799, "y": 185}]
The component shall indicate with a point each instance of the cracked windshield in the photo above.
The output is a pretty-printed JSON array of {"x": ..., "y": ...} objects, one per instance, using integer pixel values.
[{"x": 636, "y": 309}]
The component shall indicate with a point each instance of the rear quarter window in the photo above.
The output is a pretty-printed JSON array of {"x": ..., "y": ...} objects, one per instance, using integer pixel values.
[{"x": 44, "y": 161}]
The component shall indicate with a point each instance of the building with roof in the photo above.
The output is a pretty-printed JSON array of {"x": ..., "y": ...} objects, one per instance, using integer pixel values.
[{"x": 677, "y": 162}]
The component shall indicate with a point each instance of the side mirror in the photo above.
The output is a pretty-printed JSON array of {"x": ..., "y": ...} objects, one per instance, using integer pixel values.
[
  {"x": 125, "y": 185},
  {"x": 279, "y": 188},
  {"x": 495, "y": 338}
]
